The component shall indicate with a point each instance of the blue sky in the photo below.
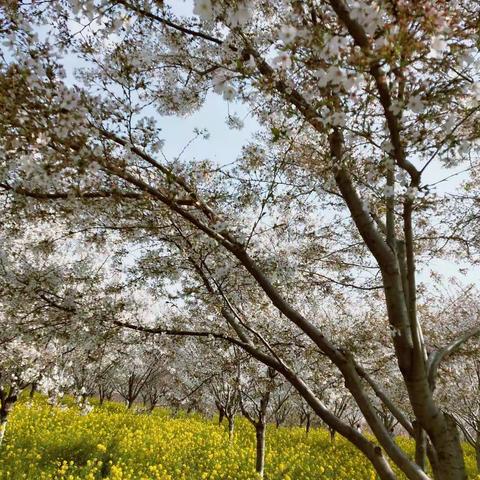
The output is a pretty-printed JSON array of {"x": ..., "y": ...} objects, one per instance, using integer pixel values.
[{"x": 224, "y": 144}]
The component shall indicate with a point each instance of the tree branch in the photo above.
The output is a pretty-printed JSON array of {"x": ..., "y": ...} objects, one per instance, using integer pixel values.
[
  {"x": 361, "y": 39},
  {"x": 168, "y": 23},
  {"x": 396, "y": 412},
  {"x": 439, "y": 355}
]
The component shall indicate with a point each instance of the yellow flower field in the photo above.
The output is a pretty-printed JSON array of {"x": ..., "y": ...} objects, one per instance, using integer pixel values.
[{"x": 59, "y": 443}]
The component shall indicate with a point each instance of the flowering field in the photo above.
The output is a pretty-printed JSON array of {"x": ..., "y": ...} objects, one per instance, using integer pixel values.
[{"x": 59, "y": 443}]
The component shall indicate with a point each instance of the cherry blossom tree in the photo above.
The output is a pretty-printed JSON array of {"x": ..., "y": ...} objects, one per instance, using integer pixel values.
[
  {"x": 136, "y": 369},
  {"x": 255, "y": 403},
  {"x": 225, "y": 388},
  {"x": 282, "y": 404},
  {"x": 360, "y": 106}
]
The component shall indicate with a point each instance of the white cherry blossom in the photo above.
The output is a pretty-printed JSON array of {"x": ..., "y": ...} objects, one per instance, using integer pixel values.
[
  {"x": 438, "y": 47},
  {"x": 476, "y": 91},
  {"x": 287, "y": 34},
  {"x": 389, "y": 191},
  {"x": 282, "y": 61},
  {"x": 415, "y": 104},
  {"x": 240, "y": 15},
  {"x": 229, "y": 92}
]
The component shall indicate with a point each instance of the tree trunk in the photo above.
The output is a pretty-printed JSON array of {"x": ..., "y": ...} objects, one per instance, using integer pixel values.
[
  {"x": 433, "y": 459},
  {"x": 33, "y": 389},
  {"x": 477, "y": 457},
  {"x": 260, "y": 439},
  {"x": 221, "y": 415},
  {"x": 420, "y": 445},
  {"x": 3, "y": 427},
  {"x": 6, "y": 405},
  {"x": 332, "y": 436},
  {"x": 477, "y": 451},
  {"x": 101, "y": 395},
  {"x": 231, "y": 427},
  {"x": 451, "y": 461},
  {"x": 129, "y": 403},
  {"x": 308, "y": 425}
]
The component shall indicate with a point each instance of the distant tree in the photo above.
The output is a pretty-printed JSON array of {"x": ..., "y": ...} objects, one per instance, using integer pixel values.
[{"x": 256, "y": 389}]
